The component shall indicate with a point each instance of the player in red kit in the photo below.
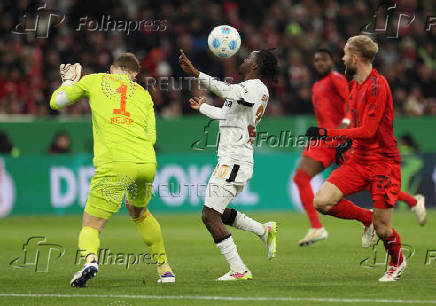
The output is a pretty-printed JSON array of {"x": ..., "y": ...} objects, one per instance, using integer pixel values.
[
  {"x": 375, "y": 163},
  {"x": 329, "y": 96}
]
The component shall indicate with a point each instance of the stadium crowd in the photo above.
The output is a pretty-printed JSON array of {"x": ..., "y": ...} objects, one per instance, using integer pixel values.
[{"x": 29, "y": 62}]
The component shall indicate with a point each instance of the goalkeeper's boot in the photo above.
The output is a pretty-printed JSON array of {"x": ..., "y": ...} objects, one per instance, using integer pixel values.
[
  {"x": 269, "y": 238},
  {"x": 313, "y": 235},
  {"x": 81, "y": 277},
  {"x": 234, "y": 276},
  {"x": 420, "y": 210},
  {"x": 166, "y": 275},
  {"x": 394, "y": 272}
]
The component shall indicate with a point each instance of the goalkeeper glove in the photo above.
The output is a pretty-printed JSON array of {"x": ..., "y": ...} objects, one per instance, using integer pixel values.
[
  {"x": 341, "y": 149},
  {"x": 70, "y": 74},
  {"x": 316, "y": 133}
]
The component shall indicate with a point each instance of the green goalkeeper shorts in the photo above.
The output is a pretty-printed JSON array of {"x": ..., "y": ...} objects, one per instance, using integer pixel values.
[{"x": 113, "y": 181}]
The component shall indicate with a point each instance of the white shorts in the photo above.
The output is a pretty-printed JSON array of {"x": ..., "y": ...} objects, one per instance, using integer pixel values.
[{"x": 226, "y": 181}]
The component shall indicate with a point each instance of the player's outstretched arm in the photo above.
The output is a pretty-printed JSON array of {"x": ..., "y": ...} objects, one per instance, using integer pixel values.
[
  {"x": 70, "y": 90},
  {"x": 366, "y": 130},
  {"x": 374, "y": 110},
  {"x": 213, "y": 112},
  {"x": 221, "y": 89}
]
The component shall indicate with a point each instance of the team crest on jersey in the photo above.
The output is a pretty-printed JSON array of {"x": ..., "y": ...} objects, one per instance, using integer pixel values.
[{"x": 264, "y": 98}]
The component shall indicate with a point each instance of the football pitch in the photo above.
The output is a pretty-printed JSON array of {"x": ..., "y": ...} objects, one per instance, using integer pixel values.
[{"x": 328, "y": 273}]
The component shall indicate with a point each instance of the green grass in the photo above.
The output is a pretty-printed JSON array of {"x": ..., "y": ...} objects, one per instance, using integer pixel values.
[{"x": 328, "y": 269}]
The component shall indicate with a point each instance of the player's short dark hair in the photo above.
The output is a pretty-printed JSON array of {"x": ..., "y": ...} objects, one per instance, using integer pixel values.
[
  {"x": 127, "y": 61},
  {"x": 268, "y": 64},
  {"x": 324, "y": 50}
]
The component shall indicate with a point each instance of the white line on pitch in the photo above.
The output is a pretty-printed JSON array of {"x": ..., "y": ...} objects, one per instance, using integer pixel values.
[{"x": 219, "y": 298}]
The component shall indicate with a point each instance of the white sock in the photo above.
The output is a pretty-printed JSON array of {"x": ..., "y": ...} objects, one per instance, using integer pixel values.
[
  {"x": 230, "y": 252},
  {"x": 248, "y": 224}
]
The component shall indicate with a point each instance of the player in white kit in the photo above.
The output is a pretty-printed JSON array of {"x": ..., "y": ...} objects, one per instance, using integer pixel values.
[{"x": 242, "y": 110}]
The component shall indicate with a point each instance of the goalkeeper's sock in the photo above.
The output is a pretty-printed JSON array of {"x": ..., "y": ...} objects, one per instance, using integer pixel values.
[
  {"x": 346, "y": 209},
  {"x": 150, "y": 231},
  {"x": 89, "y": 242},
  {"x": 410, "y": 200}
]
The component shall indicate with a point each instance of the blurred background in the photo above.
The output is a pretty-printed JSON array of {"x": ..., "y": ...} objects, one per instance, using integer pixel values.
[{"x": 46, "y": 160}]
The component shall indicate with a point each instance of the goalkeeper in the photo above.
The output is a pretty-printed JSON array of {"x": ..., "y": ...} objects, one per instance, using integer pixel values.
[{"x": 124, "y": 133}]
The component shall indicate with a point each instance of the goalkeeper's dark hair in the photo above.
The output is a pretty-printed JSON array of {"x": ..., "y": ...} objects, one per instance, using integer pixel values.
[
  {"x": 268, "y": 64},
  {"x": 127, "y": 61}
]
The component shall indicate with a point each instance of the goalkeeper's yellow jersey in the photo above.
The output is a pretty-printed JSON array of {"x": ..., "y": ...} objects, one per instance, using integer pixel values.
[{"x": 123, "y": 122}]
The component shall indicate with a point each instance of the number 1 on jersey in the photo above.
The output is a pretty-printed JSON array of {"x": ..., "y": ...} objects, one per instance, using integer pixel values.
[{"x": 122, "y": 90}]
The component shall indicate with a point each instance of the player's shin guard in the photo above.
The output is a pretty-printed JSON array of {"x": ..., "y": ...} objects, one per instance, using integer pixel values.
[
  {"x": 405, "y": 197},
  {"x": 230, "y": 252},
  {"x": 302, "y": 180},
  {"x": 243, "y": 222},
  {"x": 150, "y": 231},
  {"x": 345, "y": 209},
  {"x": 89, "y": 242},
  {"x": 393, "y": 247}
]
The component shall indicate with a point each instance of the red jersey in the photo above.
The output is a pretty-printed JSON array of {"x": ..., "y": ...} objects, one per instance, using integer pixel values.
[
  {"x": 372, "y": 116},
  {"x": 329, "y": 97}
]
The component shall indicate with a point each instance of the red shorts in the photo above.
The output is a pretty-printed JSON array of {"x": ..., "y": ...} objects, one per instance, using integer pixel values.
[
  {"x": 321, "y": 152},
  {"x": 381, "y": 178}
]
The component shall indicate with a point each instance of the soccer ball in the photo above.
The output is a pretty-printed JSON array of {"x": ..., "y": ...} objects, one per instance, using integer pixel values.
[{"x": 224, "y": 41}]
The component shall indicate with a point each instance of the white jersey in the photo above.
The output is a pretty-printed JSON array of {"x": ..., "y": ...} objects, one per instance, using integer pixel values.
[{"x": 242, "y": 110}]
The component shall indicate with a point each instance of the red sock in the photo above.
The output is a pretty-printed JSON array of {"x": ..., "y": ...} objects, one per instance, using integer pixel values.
[
  {"x": 409, "y": 199},
  {"x": 302, "y": 180},
  {"x": 393, "y": 247},
  {"x": 345, "y": 209}
]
